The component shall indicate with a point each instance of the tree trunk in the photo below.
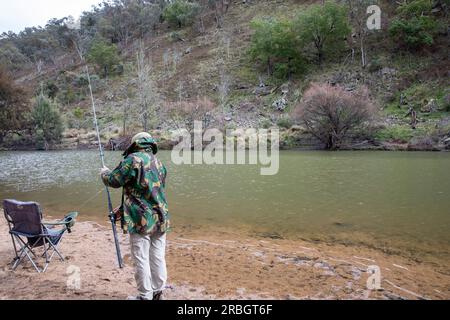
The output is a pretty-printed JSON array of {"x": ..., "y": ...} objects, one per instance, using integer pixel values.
[
  {"x": 320, "y": 56},
  {"x": 269, "y": 67},
  {"x": 363, "y": 52},
  {"x": 331, "y": 143},
  {"x": 125, "y": 118}
]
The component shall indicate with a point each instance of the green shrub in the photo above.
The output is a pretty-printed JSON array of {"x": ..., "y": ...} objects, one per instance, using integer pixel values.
[
  {"x": 275, "y": 45},
  {"x": 11, "y": 57},
  {"x": 181, "y": 13},
  {"x": 105, "y": 56},
  {"x": 324, "y": 27},
  {"x": 414, "y": 27},
  {"x": 396, "y": 133},
  {"x": 284, "y": 122},
  {"x": 375, "y": 65},
  {"x": 51, "y": 89},
  {"x": 47, "y": 123}
]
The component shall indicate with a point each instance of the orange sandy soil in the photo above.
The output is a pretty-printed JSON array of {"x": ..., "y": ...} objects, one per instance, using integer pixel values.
[{"x": 221, "y": 265}]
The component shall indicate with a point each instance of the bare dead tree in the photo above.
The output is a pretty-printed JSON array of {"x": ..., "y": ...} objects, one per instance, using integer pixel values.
[
  {"x": 220, "y": 8},
  {"x": 330, "y": 113},
  {"x": 147, "y": 88},
  {"x": 224, "y": 88},
  {"x": 358, "y": 18}
]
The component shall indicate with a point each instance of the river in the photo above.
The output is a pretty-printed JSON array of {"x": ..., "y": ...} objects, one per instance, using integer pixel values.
[{"x": 395, "y": 201}]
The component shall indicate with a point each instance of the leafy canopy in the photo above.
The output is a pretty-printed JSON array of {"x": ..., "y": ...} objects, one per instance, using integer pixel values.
[
  {"x": 47, "y": 122},
  {"x": 104, "y": 55},
  {"x": 415, "y": 27},
  {"x": 275, "y": 44},
  {"x": 181, "y": 13},
  {"x": 323, "y": 26}
]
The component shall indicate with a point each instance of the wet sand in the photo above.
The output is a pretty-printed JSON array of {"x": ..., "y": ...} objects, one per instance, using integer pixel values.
[{"x": 222, "y": 264}]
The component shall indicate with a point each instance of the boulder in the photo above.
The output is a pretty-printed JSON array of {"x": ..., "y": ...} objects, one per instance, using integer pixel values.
[
  {"x": 430, "y": 106},
  {"x": 280, "y": 104}
]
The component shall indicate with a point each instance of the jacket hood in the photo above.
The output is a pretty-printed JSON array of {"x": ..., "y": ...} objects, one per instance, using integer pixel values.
[{"x": 147, "y": 144}]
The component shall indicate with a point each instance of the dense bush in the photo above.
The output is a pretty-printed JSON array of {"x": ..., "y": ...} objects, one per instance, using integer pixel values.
[
  {"x": 180, "y": 13},
  {"x": 275, "y": 45},
  {"x": 414, "y": 27},
  {"x": 11, "y": 57},
  {"x": 324, "y": 27},
  {"x": 331, "y": 113},
  {"x": 105, "y": 56},
  {"x": 47, "y": 123},
  {"x": 281, "y": 44}
]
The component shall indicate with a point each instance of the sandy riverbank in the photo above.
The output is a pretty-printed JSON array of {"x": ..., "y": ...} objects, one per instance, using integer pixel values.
[{"x": 222, "y": 264}]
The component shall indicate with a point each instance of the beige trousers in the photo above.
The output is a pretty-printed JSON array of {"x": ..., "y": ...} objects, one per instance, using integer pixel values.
[{"x": 149, "y": 254}]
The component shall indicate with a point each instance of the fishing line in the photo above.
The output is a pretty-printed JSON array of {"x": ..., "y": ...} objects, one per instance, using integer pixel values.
[{"x": 90, "y": 199}]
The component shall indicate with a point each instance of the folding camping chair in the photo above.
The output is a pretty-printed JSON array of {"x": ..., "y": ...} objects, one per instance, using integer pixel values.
[{"x": 28, "y": 231}]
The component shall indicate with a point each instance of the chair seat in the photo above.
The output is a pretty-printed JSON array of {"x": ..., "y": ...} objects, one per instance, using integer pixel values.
[{"x": 54, "y": 236}]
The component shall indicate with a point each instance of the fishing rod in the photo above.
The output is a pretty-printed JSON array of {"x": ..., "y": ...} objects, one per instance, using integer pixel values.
[{"x": 111, "y": 215}]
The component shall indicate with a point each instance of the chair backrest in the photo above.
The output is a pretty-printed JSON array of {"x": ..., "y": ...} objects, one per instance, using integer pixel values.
[{"x": 25, "y": 217}]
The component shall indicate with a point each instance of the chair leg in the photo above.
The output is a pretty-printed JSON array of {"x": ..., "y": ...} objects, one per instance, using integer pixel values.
[
  {"x": 25, "y": 252},
  {"x": 18, "y": 259},
  {"x": 55, "y": 248},
  {"x": 20, "y": 255},
  {"x": 15, "y": 246},
  {"x": 34, "y": 264}
]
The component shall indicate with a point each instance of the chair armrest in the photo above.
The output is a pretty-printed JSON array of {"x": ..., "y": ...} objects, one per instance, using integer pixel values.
[{"x": 68, "y": 221}]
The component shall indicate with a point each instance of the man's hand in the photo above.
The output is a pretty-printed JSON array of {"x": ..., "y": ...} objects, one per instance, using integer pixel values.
[
  {"x": 118, "y": 213},
  {"x": 104, "y": 171}
]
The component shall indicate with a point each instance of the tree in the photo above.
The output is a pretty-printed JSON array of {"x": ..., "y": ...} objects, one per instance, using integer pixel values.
[
  {"x": 11, "y": 57},
  {"x": 220, "y": 8},
  {"x": 181, "y": 13},
  {"x": 274, "y": 43},
  {"x": 330, "y": 113},
  {"x": 104, "y": 55},
  {"x": 47, "y": 122},
  {"x": 14, "y": 106},
  {"x": 58, "y": 29},
  {"x": 324, "y": 26},
  {"x": 415, "y": 27},
  {"x": 78, "y": 115},
  {"x": 358, "y": 17},
  {"x": 147, "y": 88}
]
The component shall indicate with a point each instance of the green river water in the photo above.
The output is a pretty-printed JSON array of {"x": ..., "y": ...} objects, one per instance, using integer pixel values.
[{"x": 398, "y": 202}]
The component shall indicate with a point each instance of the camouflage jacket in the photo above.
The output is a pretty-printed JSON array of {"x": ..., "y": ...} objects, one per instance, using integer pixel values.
[{"x": 143, "y": 178}]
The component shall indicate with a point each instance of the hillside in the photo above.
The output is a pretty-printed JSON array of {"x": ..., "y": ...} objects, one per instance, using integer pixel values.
[{"x": 204, "y": 68}]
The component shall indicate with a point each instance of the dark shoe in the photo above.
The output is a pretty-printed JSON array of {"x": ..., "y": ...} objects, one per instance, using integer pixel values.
[{"x": 158, "y": 295}]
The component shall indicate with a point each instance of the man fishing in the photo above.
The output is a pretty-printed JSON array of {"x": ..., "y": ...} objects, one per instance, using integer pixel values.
[{"x": 144, "y": 213}]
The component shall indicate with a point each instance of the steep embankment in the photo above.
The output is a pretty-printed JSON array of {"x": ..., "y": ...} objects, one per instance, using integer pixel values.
[{"x": 212, "y": 67}]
